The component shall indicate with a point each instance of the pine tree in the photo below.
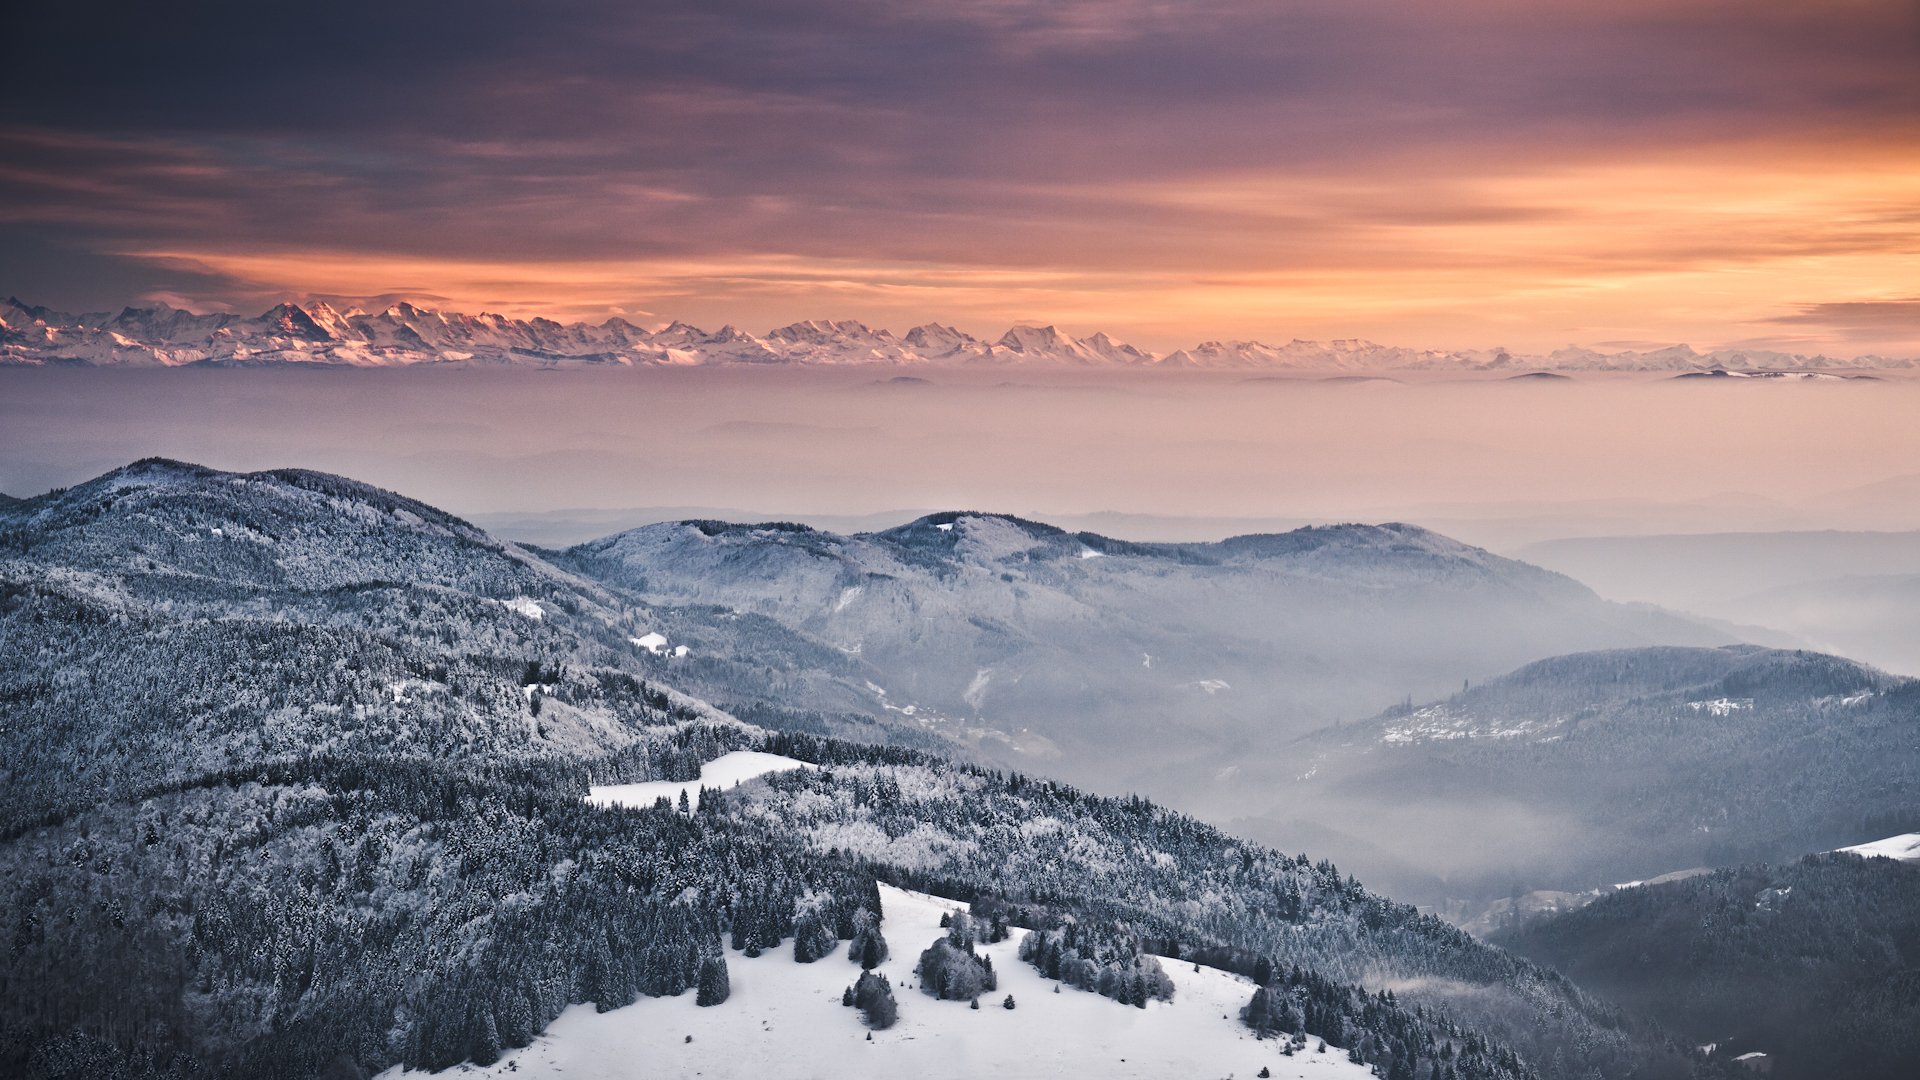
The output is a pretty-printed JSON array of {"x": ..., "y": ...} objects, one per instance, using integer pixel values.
[
  {"x": 812, "y": 938},
  {"x": 714, "y": 984}
]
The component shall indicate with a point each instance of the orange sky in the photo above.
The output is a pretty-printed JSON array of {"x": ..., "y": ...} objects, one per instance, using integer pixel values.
[{"x": 1523, "y": 175}]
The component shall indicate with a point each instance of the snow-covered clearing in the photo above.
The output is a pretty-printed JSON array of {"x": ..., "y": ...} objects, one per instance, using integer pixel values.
[
  {"x": 1905, "y": 847},
  {"x": 785, "y": 1020},
  {"x": 722, "y": 772},
  {"x": 521, "y": 605}
]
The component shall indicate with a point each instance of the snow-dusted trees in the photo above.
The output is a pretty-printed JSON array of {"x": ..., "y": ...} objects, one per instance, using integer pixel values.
[
  {"x": 812, "y": 938},
  {"x": 1272, "y": 1013},
  {"x": 868, "y": 947},
  {"x": 714, "y": 984},
  {"x": 872, "y": 994},
  {"x": 950, "y": 968},
  {"x": 1104, "y": 959}
]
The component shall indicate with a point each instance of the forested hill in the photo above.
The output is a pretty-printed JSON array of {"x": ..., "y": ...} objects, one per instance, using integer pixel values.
[
  {"x": 1815, "y": 963},
  {"x": 293, "y": 786},
  {"x": 1116, "y": 663},
  {"x": 165, "y": 620},
  {"x": 1597, "y": 768}
]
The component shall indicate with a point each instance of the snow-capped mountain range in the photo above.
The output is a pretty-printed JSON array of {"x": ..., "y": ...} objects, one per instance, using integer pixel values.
[{"x": 403, "y": 335}]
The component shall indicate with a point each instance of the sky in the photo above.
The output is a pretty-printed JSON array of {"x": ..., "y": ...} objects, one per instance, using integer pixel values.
[{"x": 1484, "y": 172}]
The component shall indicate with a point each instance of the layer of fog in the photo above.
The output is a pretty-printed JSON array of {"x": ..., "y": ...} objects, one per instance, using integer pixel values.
[
  {"x": 1852, "y": 593},
  {"x": 559, "y": 455}
]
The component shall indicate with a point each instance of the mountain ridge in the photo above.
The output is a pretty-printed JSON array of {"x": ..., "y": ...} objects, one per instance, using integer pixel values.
[
  {"x": 1124, "y": 662},
  {"x": 405, "y": 335},
  {"x": 1614, "y": 765}
]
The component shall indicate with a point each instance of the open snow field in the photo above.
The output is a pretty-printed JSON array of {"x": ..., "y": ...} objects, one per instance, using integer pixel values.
[
  {"x": 784, "y": 1021},
  {"x": 722, "y": 772},
  {"x": 1905, "y": 847}
]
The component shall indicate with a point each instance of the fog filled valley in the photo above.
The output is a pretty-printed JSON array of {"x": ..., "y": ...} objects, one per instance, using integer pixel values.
[
  {"x": 559, "y": 456},
  {"x": 538, "y": 720}
]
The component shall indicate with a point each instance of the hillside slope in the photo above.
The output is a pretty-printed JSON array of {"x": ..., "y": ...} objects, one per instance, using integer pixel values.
[
  {"x": 166, "y": 619},
  {"x": 1117, "y": 662},
  {"x": 786, "y": 1019},
  {"x": 1815, "y": 963},
  {"x": 1598, "y": 768}
]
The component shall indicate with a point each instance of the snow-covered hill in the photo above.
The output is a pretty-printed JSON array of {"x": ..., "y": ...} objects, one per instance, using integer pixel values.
[
  {"x": 403, "y": 335},
  {"x": 1003, "y": 632},
  {"x": 784, "y": 1019}
]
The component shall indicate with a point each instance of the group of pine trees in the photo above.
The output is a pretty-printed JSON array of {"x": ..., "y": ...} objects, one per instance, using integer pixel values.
[
  {"x": 868, "y": 948},
  {"x": 952, "y": 968},
  {"x": 1104, "y": 958},
  {"x": 1400, "y": 1044},
  {"x": 416, "y": 913},
  {"x": 872, "y": 994}
]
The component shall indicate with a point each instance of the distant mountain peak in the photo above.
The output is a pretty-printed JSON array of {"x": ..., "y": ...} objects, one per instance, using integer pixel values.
[{"x": 402, "y": 333}]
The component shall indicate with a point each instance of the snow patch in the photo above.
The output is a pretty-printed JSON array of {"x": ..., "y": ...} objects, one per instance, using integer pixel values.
[
  {"x": 1721, "y": 706},
  {"x": 784, "y": 1019},
  {"x": 521, "y": 605},
  {"x": 1438, "y": 723},
  {"x": 653, "y": 641},
  {"x": 1905, "y": 848},
  {"x": 725, "y": 771}
]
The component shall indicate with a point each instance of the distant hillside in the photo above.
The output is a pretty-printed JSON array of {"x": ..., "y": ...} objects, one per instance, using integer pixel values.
[
  {"x": 1814, "y": 963},
  {"x": 1615, "y": 766},
  {"x": 1112, "y": 661},
  {"x": 165, "y": 619}
]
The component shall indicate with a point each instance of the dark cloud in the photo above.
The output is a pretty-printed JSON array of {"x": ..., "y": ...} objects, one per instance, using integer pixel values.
[
  {"x": 980, "y": 133},
  {"x": 1861, "y": 320}
]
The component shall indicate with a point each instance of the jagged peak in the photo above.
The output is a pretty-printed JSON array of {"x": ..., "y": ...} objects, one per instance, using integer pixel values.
[
  {"x": 488, "y": 336},
  {"x": 1025, "y": 335}
]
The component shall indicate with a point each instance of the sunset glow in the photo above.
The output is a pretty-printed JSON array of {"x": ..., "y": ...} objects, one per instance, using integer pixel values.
[{"x": 1521, "y": 175}]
